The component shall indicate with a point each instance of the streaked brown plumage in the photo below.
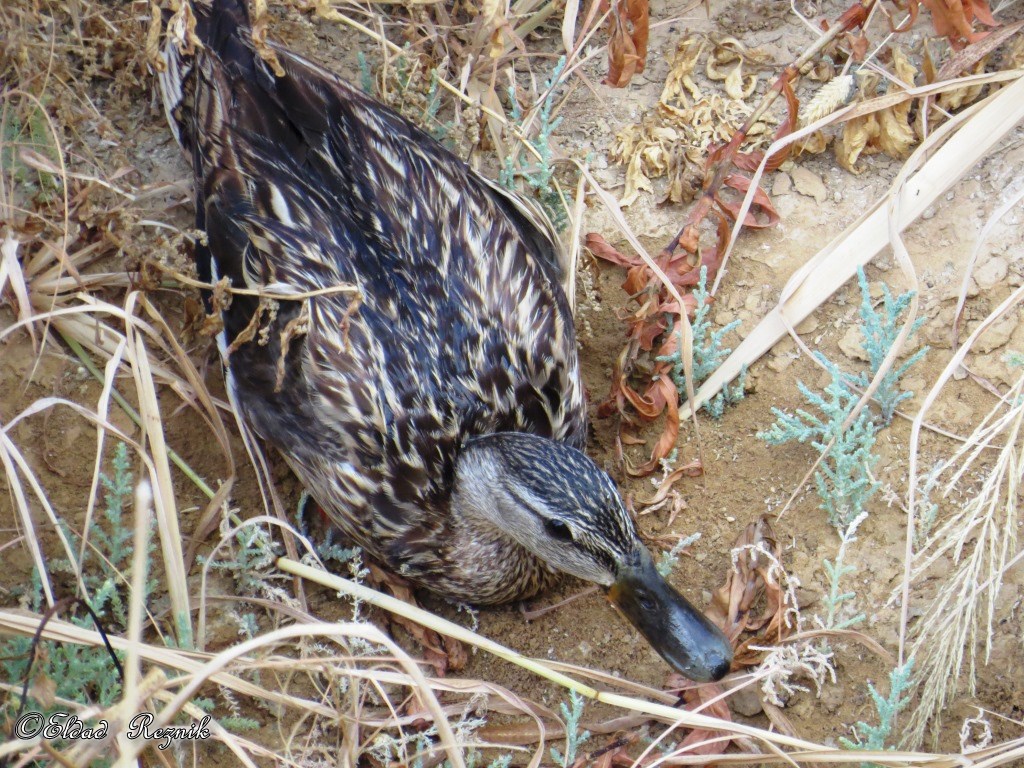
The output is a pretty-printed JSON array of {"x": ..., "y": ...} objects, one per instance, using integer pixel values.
[{"x": 439, "y": 418}]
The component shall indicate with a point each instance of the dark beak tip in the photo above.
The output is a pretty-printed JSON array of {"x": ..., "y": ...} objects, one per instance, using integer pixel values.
[
  {"x": 708, "y": 662},
  {"x": 682, "y": 635},
  {"x": 719, "y": 668}
]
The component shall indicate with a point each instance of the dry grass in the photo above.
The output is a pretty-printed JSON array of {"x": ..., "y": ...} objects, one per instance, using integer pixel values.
[
  {"x": 76, "y": 229},
  {"x": 963, "y": 529}
]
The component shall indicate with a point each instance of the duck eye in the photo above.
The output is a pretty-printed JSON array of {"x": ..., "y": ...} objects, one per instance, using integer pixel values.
[{"x": 558, "y": 529}]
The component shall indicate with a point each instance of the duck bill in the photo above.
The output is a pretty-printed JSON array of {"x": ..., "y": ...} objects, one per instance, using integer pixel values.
[{"x": 684, "y": 637}]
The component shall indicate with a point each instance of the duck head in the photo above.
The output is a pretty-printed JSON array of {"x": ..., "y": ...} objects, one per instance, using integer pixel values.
[{"x": 557, "y": 504}]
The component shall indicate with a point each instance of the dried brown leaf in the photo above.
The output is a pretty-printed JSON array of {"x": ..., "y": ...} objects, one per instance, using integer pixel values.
[
  {"x": 954, "y": 20},
  {"x": 858, "y": 46},
  {"x": 739, "y": 87},
  {"x": 732, "y": 604},
  {"x": 622, "y": 58},
  {"x": 953, "y": 100},
  {"x": 708, "y": 699},
  {"x": 814, "y": 144},
  {"x": 762, "y": 213},
  {"x": 663, "y": 390},
  {"x": 43, "y": 690},
  {"x": 627, "y": 44},
  {"x": 857, "y": 134},
  {"x": 895, "y": 134},
  {"x": 602, "y": 249},
  {"x": 680, "y": 68},
  {"x": 638, "y": 13},
  {"x": 692, "y": 469},
  {"x": 636, "y": 181}
]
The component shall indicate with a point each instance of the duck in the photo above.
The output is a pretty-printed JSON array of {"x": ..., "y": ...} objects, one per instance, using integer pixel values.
[{"x": 404, "y": 337}]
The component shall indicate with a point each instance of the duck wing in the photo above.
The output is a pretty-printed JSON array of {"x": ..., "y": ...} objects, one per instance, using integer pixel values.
[{"x": 461, "y": 326}]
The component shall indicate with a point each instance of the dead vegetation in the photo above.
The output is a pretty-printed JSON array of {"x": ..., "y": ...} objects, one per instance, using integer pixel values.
[{"x": 93, "y": 268}]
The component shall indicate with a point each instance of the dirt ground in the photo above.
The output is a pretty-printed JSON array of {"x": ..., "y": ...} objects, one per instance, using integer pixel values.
[{"x": 744, "y": 477}]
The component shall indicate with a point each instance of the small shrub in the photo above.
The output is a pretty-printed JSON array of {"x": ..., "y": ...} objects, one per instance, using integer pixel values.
[
  {"x": 669, "y": 560},
  {"x": 836, "y": 600},
  {"x": 874, "y": 737},
  {"x": 539, "y": 177},
  {"x": 574, "y": 737},
  {"x": 880, "y": 330},
  {"x": 708, "y": 354},
  {"x": 843, "y": 481},
  {"x": 67, "y": 671}
]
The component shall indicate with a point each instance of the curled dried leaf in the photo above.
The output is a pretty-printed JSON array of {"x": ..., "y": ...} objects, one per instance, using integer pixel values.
[
  {"x": 629, "y": 24},
  {"x": 895, "y": 133},
  {"x": 602, "y": 249},
  {"x": 714, "y": 68},
  {"x": 638, "y": 13},
  {"x": 678, "y": 82},
  {"x": 636, "y": 180},
  {"x": 664, "y": 393},
  {"x": 953, "y": 100},
  {"x": 691, "y": 469},
  {"x": 814, "y": 144},
  {"x": 739, "y": 87},
  {"x": 762, "y": 213},
  {"x": 858, "y": 45},
  {"x": 857, "y": 135},
  {"x": 756, "y": 552},
  {"x": 622, "y": 56},
  {"x": 954, "y": 20},
  {"x": 822, "y": 70}
]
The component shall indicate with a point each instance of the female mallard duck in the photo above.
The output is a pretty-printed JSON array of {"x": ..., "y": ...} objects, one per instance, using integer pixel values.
[{"x": 438, "y": 417}]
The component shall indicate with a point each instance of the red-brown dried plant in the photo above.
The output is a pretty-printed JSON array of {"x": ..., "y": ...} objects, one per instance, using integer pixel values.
[
  {"x": 652, "y": 310},
  {"x": 628, "y": 27}
]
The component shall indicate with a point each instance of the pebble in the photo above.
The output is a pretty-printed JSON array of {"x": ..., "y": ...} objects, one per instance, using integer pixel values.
[
  {"x": 809, "y": 184},
  {"x": 746, "y": 702},
  {"x": 956, "y": 413},
  {"x": 809, "y": 325},
  {"x": 915, "y": 384},
  {"x": 806, "y": 597},
  {"x": 997, "y": 334},
  {"x": 851, "y": 343},
  {"x": 951, "y": 289},
  {"x": 832, "y": 698},
  {"x": 994, "y": 368},
  {"x": 991, "y": 273},
  {"x": 782, "y": 185}
]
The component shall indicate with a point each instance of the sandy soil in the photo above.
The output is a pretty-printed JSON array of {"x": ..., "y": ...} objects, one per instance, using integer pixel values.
[{"x": 744, "y": 477}]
